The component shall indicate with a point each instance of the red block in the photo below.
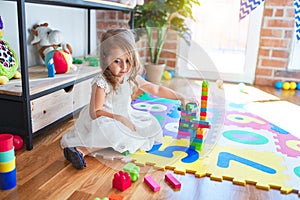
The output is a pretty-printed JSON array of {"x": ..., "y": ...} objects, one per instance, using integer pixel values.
[
  {"x": 203, "y": 113},
  {"x": 199, "y": 136},
  {"x": 121, "y": 181},
  {"x": 202, "y": 125},
  {"x": 204, "y": 98}
]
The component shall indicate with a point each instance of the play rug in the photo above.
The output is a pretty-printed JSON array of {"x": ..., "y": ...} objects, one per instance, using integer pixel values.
[{"x": 250, "y": 149}]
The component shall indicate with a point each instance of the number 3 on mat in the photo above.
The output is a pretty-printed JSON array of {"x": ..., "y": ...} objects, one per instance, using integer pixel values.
[{"x": 225, "y": 158}]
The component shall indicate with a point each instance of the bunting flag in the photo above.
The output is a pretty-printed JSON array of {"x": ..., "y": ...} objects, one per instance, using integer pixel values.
[
  {"x": 297, "y": 18},
  {"x": 247, "y": 6}
]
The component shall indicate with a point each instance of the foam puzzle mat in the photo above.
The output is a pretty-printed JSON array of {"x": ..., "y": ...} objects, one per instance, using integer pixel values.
[{"x": 249, "y": 150}]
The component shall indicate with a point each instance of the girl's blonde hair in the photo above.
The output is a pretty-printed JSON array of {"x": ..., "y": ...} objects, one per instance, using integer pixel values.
[{"x": 119, "y": 38}]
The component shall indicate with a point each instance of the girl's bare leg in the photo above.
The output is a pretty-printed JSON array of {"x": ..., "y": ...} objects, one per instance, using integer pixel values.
[{"x": 85, "y": 151}]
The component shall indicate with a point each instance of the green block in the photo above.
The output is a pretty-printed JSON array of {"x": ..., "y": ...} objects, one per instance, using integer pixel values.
[
  {"x": 77, "y": 61},
  {"x": 133, "y": 171},
  {"x": 197, "y": 146},
  {"x": 191, "y": 107},
  {"x": 204, "y": 93},
  {"x": 126, "y": 153},
  {"x": 184, "y": 125},
  {"x": 205, "y": 83}
]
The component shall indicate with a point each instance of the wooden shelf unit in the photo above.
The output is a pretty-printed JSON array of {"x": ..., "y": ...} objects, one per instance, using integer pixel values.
[{"x": 35, "y": 103}]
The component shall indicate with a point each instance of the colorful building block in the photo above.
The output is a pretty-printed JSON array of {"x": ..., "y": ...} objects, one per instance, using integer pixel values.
[
  {"x": 152, "y": 183},
  {"x": 133, "y": 171},
  {"x": 115, "y": 196},
  {"x": 121, "y": 180},
  {"x": 192, "y": 123},
  {"x": 173, "y": 181},
  {"x": 104, "y": 198}
]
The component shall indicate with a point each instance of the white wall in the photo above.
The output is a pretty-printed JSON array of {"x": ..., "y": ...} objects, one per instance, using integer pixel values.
[{"x": 72, "y": 22}]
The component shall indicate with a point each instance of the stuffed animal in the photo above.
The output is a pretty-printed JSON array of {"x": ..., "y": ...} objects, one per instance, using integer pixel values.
[
  {"x": 56, "y": 54},
  {"x": 8, "y": 60}
]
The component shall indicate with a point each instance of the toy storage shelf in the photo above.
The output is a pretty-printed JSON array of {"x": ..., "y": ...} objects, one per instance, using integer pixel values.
[{"x": 35, "y": 103}]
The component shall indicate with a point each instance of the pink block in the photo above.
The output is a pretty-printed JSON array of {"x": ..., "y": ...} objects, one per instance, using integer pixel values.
[
  {"x": 183, "y": 133},
  {"x": 182, "y": 136},
  {"x": 151, "y": 183},
  {"x": 173, "y": 181}
]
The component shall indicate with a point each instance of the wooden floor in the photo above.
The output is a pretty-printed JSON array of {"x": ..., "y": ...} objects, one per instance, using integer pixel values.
[{"x": 43, "y": 173}]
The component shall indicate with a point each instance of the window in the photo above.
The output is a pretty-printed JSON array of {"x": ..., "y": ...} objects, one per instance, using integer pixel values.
[
  {"x": 223, "y": 47},
  {"x": 294, "y": 61}
]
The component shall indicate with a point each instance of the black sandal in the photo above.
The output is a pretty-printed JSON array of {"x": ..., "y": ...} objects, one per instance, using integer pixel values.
[{"x": 75, "y": 157}]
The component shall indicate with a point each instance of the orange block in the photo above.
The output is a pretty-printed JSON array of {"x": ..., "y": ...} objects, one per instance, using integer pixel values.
[
  {"x": 203, "y": 117},
  {"x": 204, "y": 89},
  {"x": 204, "y": 104},
  {"x": 114, "y": 196}
]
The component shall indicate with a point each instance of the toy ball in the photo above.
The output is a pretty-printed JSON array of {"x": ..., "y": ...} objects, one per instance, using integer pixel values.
[
  {"x": 278, "y": 85},
  {"x": 18, "y": 142},
  {"x": 167, "y": 75},
  {"x": 293, "y": 85},
  {"x": 172, "y": 72},
  {"x": 286, "y": 85},
  {"x": 298, "y": 86}
]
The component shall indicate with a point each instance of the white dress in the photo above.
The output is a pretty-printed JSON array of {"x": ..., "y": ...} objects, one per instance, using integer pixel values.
[{"x": 106, "y": 132}]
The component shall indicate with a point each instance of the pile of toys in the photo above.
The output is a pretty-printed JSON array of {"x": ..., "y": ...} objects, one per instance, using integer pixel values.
[{"x": 130, "y": 173}]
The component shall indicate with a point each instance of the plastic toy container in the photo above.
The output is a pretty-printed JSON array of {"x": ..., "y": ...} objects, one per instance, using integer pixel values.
[
  {"x": 6, "y": 142},
  {"x": 7, "y": 156},
  {"x": 8, "y": 166},
  {"x": 8, "y": 180}
]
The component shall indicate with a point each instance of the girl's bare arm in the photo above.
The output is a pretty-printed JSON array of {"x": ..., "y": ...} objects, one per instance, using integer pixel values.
[
  {"x": 161, "y": 91},
  {"x": 96, "y": 108}
]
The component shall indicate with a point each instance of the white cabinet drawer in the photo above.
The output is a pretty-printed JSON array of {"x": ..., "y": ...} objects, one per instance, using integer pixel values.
[{"x": 50, "y": 108}]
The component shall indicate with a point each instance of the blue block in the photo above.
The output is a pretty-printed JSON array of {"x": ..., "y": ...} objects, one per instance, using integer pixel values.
[
  {"x": 203, "y": 109},
  {"x": 197, "y": 140},
  {"x": 184, "y": 129},
  {"x": 200, "y": 122}
]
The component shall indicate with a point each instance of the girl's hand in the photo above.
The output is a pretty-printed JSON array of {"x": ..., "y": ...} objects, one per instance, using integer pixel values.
[
  {"x": 125, "y": 121},
  {"x": 185, "y": 101}
]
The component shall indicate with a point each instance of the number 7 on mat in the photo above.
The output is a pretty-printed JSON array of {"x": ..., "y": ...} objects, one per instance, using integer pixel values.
[{"x": 224, "y": 159}]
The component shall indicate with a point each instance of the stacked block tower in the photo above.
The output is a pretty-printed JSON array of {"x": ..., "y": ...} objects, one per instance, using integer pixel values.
[
  {"x": 192, "y": 123},
  {"x": 186, "y": 128}
]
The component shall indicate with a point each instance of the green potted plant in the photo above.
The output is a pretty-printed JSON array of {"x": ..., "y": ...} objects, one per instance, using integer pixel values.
[{"x": 157, "y": 17}]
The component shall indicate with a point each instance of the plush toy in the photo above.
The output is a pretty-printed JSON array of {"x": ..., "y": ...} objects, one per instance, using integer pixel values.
[
  {"x": 56, "y": 54},
  {"x": 8, "y": 60}
]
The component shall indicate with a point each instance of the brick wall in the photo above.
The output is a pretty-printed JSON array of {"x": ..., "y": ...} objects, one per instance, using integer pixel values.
[
  {"x": 275, "y": 43},
  {"x": 110, "y": 19}
]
